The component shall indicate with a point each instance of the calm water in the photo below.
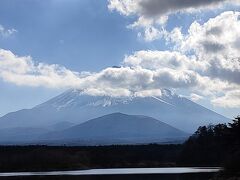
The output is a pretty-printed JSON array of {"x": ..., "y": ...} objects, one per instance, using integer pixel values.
[{"x": 121, "y": 173}]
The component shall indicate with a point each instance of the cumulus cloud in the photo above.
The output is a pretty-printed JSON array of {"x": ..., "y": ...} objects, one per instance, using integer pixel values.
[
  {"x": 214, "y": 44},
  {"x": 152, "y": 15},
  {"x": 151, "y": 8},
  {"x": 230, "y": 99},
  {"x": 205, "y": 62},
  {"x": 23, "y": 71},
  {"x": 6, "y": 32},
  {"x": 146, "y": 73},
  {"x": 210, "y": 51},
  {"x": 123, "y": 81},
  {"x": 163, "y": 59},
  {"x": 180, "y": 71}
]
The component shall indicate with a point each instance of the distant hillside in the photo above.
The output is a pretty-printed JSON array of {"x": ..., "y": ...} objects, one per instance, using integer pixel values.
[{"x": 118, "y": 128}]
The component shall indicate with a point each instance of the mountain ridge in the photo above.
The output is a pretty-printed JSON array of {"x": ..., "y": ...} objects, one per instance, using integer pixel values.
[
  {"x": 76, "y": 107},
  {"x": 118, "y": 128}
]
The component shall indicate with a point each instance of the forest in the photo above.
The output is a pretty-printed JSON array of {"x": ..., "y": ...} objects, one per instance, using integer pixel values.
[{"x": 214, "y": 145}]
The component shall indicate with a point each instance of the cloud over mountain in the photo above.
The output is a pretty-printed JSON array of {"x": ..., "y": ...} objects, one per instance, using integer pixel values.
[
  {"x": 205, "y": 61},
  {"x": 123, "y": 81}
]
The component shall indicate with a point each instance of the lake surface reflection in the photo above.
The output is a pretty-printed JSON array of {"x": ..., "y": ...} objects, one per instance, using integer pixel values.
[{"x": 121, "y": 173}]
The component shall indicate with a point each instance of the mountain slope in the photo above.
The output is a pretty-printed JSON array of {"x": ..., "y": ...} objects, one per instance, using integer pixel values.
[
  {"x": 118, "y": 128},
  {"x": 18, "y": 135},
  {"x": 75, "y": 107}
]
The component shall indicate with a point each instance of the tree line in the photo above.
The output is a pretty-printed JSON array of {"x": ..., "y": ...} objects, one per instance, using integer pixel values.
[{"x": 214, "y": 145}]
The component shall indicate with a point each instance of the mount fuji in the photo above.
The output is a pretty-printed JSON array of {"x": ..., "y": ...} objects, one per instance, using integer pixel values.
[{"x": 74, "y": 107}]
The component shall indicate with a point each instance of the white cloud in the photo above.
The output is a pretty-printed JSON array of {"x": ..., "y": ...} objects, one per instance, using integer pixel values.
[
  {"x": 147, "y": 93},
  {"x": 210, "y": 71},
  {"x": 23, "y": 71},
  {"x": 195, "y": 97},
  {"x": 214, "y": 59},
  {"x": 152, "y": 15},
  {"x": 176, "y": 70},
  {"x": 122, "y": 81},
  {"x": 214, "y": 44},
  {"x": 6, "y": 32},
  {"x": 126, "y": 8},
  {"x": 151, "y": 34},
  {"x": 145, "y": 73},
  {"x": 156, "y": 8},
  {"x": 206, "y": 59},
  {"x": 230, "y": 100},
  {"x": 162, "y": 59}
]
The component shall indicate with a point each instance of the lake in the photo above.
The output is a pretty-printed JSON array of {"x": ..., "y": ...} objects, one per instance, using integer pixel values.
[{"x": 182, "y": 173}]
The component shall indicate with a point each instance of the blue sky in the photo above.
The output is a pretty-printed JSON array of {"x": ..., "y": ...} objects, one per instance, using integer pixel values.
[
  {"x": 81, "y": 35},
  {"x": 92, "y": 35}
]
